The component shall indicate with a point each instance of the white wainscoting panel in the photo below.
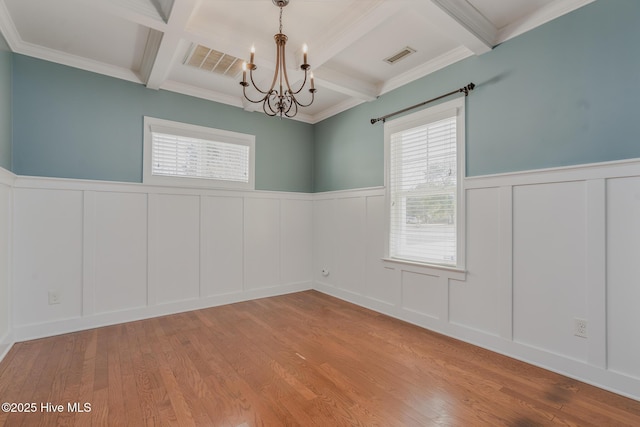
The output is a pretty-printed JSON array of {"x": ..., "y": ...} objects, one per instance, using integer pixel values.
[
  {"x": 47, "y": 254},
  {"x": 6, "y": 195},
  {"x": 350, "y": 244},
  {"x": 549, "y": 266},
  {"x": 222, "y": 245},
  {"x": 324, "y": 241},
  {"x": 542, "y": 249},
  {"x": 174, "y": 248},
  {"x": 262, "y": 243},
  {"x": 421, "y": 294},
  {"x": 623, "y": 275},
  {"x": 118, "y": 252},
  {"x": 296, "y": 225},
  {"x": 378, "y": 275},
  {"x": 476, "y": 303},
  {"x": 115, "y": 251}
]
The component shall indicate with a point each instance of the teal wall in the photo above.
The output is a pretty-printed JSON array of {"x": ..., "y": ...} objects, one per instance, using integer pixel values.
[
  {"x": 562, "y": 94},
  {"x": 71, "y": 123},
  {"x": 565, "y": 93},
  {"x": 5, "y": 105}
]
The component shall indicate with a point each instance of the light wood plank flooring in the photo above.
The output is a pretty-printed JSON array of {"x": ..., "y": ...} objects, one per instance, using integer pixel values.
[{"x": 302, "y": 359}]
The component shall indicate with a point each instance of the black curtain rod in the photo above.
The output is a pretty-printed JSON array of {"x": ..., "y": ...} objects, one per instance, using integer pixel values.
[{"x": 466, "y": 89}]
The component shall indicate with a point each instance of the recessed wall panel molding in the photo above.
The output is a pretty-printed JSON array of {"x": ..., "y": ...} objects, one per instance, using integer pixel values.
[
  {"x": 296, "y": 226},
  {"x": 378, "y": 274},
  {"x": 623, "y": 271},
  {"x": 5, "y": 267},
  {"x": 47, "y": 255},
  {"x": 422, "y": 295},
  {"x": 550, "y": 275},
  {"x": 92, "y": 253},
  {"x": 221, "y": 245},
  {"x": 261, "y": 243},
  {"x": 350, "y": 244},
  {"x": 174, "y": 248},
  {"x": 115, "y": 236},
  {"x": 549, "y": 266},
  {"x": 476, "y": 303},
  {"x": 324, "y": 238}
]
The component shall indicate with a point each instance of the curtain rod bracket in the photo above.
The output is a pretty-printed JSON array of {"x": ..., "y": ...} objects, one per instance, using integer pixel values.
[{"x": 465, "y": 89}]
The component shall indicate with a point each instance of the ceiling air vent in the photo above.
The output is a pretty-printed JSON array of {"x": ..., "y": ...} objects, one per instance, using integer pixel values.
[
  {"x": 213, "y": 61},
  {"x": 399, "y": 55}
]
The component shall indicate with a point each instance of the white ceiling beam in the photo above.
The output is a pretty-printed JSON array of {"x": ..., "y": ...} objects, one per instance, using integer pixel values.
[
  {"x": 141, "y": 13},
  {"x": 346, "y": 84},
  {"x": 162, "y": 58},
  {"x": 462, "y": 22}
]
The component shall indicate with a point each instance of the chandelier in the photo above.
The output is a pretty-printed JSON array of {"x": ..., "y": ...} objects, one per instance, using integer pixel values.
[{"x": 280, "y": 99}]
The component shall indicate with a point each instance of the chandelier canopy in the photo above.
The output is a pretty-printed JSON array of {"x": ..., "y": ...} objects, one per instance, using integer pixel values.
[{"x": 280, "y": 99}]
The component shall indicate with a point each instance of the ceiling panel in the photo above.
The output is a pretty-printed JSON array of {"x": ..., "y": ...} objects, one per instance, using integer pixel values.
[
  {"x": 366, "y": 56},
  {"x": 502, "y": 13},
  {"x": 75, "y": 28},
  {"x": 147, "y": 41}
]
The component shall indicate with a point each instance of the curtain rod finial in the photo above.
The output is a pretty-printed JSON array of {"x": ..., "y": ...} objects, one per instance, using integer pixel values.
[{"x": 468, "y": 88}]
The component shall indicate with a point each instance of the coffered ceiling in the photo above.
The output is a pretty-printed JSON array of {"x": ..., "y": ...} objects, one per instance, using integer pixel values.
[{"x": 155, "y": 42}]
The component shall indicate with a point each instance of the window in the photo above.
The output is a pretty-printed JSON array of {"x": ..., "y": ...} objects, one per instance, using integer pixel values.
[
  {"x": 425, "y": 169},
  {"x": 187, "y": 155}
]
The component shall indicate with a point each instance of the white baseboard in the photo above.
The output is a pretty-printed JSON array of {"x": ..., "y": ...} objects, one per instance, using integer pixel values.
[{"x": 35, "y": 331}]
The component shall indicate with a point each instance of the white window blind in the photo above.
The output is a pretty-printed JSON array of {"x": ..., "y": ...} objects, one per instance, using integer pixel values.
[
  {"x": 182, "y": 156},
  {"x": 424, "y": 192}
]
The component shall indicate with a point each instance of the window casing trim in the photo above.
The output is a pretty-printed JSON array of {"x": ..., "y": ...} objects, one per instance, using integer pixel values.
[
  {"x": 438, "y": 112},
  {"x": 152, "y": 124}
]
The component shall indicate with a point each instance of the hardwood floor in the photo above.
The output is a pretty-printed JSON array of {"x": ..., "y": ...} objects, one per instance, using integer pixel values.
[{"x": 301, "y": 359}]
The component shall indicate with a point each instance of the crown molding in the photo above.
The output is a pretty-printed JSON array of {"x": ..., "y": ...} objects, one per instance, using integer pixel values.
[
  {"x": 8, "y": 28},
  {"x": 336, "y": 109},
  {"x": 74, "y": 61}
]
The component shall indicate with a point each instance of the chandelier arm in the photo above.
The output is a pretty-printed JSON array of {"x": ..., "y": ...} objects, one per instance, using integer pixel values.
[
  {"x": 268, "y": 100},
  {"x": 313, "y": 93},
  {"x": 295, "y": 111},
  {"x": 292, "y": 103},
  {"x": 244, "y": 92},
  {"x": 277, "y": 72},
  {"x": 255, "y": 86},
  {"x": 304, "y": 82},
  {"x": 286, "y": 76},
  {"x": 264, "y": 108}
]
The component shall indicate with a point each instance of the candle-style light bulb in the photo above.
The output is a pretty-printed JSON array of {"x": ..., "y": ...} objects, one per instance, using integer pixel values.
[
  {"x": 244, "y": 71},
  {"x": 312, "y": 87},
  {"x": 253, "y": 51},
  {"x": 304, "y": 53}
]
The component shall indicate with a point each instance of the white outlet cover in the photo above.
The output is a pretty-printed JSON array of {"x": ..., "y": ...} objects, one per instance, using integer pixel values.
[{"x": 580, "y": 328}]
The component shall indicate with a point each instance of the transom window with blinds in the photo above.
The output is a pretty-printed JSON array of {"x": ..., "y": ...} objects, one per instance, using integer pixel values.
[
  {"x": 425, "y": 170},
  {"x": 188, "y": 155}
]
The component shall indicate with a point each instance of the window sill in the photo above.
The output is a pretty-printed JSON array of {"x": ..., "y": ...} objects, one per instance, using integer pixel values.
[{"x": 456, "y": 273}]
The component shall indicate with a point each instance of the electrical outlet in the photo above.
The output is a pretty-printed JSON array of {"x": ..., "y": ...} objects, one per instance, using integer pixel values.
[
  {"x": 54, "y": 297},
  {"x": 580, "y": 328}
]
